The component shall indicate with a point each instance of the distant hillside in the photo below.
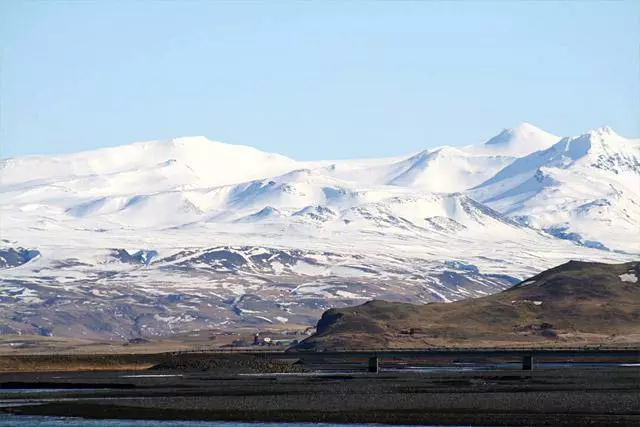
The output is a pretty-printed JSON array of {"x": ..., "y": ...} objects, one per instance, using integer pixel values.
[
  {"x": 577, "y": 302},
  {"x": 162, "y": 237}
]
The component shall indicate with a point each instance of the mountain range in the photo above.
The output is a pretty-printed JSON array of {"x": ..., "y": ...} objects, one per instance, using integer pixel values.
[{"x": 167, "y": 236}]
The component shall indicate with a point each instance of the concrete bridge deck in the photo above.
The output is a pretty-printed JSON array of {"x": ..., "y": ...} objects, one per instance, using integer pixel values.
[{"x": 527, "y": 355}]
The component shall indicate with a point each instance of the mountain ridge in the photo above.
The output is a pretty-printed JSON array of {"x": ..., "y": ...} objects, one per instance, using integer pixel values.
[
  {"x": 410, "y": 228},
  {"x": 551, "y": 189}
]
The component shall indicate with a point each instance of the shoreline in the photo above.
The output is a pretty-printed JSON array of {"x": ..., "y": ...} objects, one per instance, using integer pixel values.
[
  {"x": 385, "y": 417},
  {"x": 565, "y": 397}
]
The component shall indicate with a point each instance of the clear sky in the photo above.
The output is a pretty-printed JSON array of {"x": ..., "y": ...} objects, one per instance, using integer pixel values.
[{"x": 312, "y": 80}]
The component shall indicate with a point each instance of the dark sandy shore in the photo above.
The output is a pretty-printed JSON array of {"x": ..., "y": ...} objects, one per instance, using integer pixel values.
[{"x": 567, "y": 397}]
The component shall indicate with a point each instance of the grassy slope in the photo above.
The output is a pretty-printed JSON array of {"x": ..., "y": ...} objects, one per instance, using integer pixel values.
[{"x": 581, "y": 303}]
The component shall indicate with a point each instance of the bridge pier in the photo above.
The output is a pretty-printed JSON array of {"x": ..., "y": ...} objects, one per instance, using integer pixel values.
[
  {"x": 527, "y": 362},
  {"x": 373, "y": 364}
]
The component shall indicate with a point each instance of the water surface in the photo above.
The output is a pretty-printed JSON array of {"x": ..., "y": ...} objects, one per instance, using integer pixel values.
[{"x": 30, "y": 421}]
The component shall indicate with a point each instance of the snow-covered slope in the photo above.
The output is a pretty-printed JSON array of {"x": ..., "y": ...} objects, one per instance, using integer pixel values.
[
  {"x": 517, "y": 142},
  {"x": 190, "y": 233},
  {"x": 448, "y": 169},
  {"x": 585, "y": 188},
  {"x": 189, "y": 162}
]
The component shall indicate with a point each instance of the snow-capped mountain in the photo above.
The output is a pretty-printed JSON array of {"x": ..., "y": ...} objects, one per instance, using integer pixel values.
[
  {"x": 144, "y": 167},
  {"x": 165, "y": 236},
  {"x": 585, "y": 188},
  {"x": 448, "y": 169},
  {"x": 517, "y": 142}
]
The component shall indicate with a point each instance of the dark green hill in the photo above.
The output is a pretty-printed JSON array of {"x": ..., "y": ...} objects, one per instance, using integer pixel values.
[{"x": 574, "y": 303}]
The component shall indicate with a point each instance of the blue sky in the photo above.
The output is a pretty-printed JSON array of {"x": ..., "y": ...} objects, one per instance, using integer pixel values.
[{"x": 312, "y": 80}]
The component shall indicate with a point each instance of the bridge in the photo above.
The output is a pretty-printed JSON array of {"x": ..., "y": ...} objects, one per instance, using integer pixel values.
[{"x": 528, "y": 356}]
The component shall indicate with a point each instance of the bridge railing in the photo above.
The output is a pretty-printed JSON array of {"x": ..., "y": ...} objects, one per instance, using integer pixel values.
[{"x": 249, "y": 350}]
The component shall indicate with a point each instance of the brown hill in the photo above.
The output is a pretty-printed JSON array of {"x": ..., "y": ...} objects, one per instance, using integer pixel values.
[{"x": 574, "y": 303}]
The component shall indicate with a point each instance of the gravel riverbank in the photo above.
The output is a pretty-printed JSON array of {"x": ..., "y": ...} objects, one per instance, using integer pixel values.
[{"x": 570, "y": 397}]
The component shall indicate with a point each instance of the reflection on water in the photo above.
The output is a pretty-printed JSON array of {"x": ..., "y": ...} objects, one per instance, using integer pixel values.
[
  {"x": 151, "y": 376},
  {"x": 357, "y": 368},
  {"x": 48, "y": 390},
  {"x": 466, "y": 367},
  {"x": 27, "y": 421}
]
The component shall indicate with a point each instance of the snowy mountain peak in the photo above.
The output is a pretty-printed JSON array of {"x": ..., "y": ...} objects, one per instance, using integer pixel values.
[
  {"x": 520, "y": 140},
  {"x": 521, "y": 131},
  {"x": 604, "y": 131},
  {"x": 193, "y": 181},
  {"x": 194, "y": 139},
  {"x": 587, "y": 184},
  {"x": 600, "y": 143},
  {"x": 150, "y": 166},
  {"x": 228, "y": 235},
  {"x": 425, "y": 157},
  {"x": 601, "y": 149}
]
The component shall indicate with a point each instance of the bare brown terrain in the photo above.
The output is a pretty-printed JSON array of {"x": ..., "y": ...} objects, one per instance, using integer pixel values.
[
  {"x": 77, "y": 363},
  {"x": 574, "y": 304},
  {"x": 194, "y": 340},
  {"x": 24, "y": 353}
]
